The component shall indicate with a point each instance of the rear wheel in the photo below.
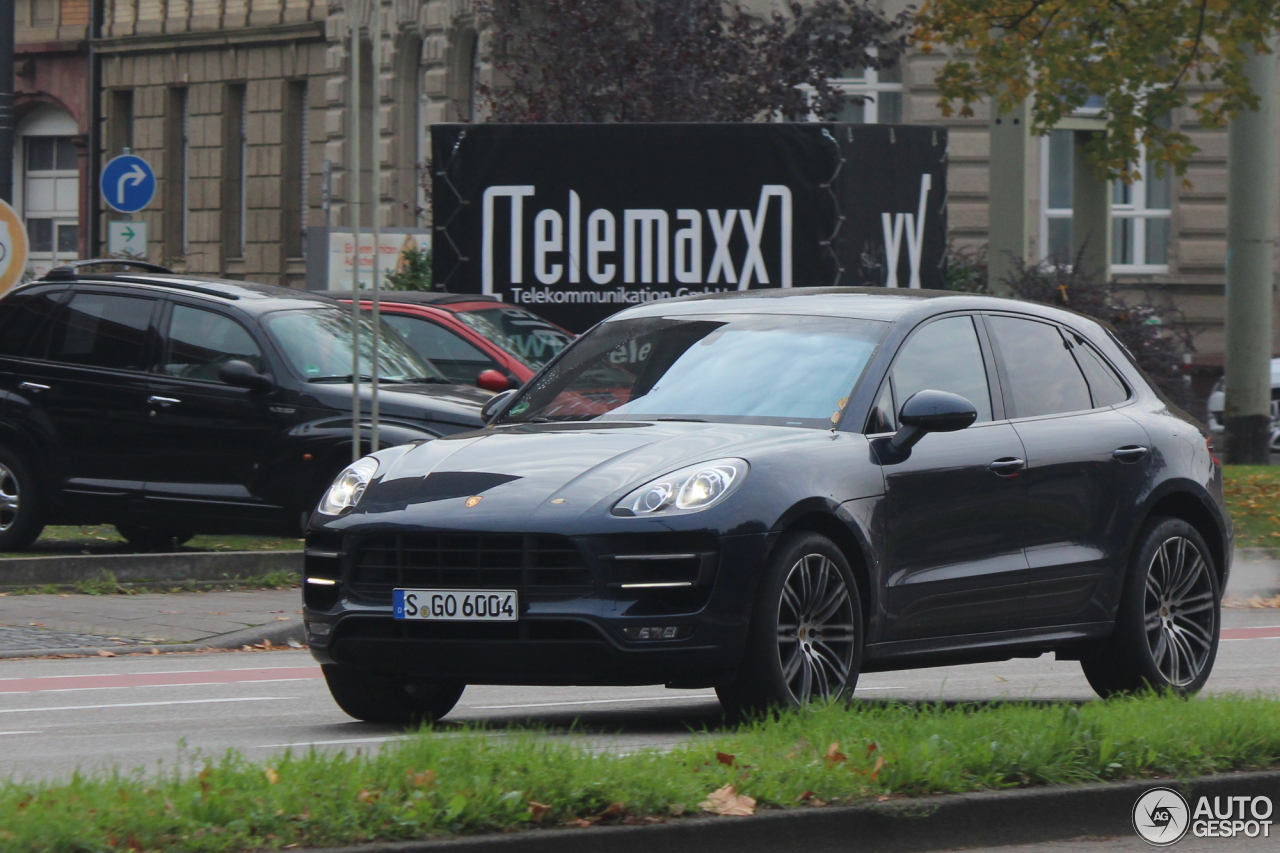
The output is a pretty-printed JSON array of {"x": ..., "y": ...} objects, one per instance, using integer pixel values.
[
  {"x": 378, "y": 699},
  {"x": 21, "y": 513},
  {"x": 805, "y": 640},
  {"x": 154, "y": 539},
  {"x": 1166, "y": 632}
]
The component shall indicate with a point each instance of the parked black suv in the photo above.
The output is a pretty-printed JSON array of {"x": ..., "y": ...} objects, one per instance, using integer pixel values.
[{"x": 170, "y": 405}]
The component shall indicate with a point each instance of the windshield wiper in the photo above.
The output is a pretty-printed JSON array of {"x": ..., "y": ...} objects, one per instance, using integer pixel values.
[
  {"x": 428, "y": 380},
  {"x": 350, "y": 377}
]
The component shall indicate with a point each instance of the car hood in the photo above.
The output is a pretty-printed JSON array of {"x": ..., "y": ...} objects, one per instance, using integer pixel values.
[
  {"x": 563, "y": 468},
  {"x": 452, "y": 404}
]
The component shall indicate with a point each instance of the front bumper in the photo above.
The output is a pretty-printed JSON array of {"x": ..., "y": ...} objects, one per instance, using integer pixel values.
[{"x": 584, "y": 627}]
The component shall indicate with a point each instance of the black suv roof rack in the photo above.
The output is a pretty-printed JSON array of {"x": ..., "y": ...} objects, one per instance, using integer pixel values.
[{"x": 67, "y": 271}]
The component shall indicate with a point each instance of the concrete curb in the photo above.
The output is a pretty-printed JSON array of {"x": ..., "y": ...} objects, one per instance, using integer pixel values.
[
  {"x": 127, "y": 568},
  {"x": 946, "y": 822},
  {"x": 279, "y": 633}
]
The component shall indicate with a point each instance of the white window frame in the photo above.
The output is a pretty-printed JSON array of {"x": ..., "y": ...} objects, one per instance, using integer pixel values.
[
  {"x": 869, "y": 85},
  {"x": 1137, "y": 212}
]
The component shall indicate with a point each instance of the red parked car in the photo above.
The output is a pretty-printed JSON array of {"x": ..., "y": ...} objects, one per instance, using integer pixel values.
[{"x": 472, "y": 339}]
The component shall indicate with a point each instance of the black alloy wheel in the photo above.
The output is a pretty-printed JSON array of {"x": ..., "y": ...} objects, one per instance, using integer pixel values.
[
  {"x": 1166, "y": 633},
  {"x": 21, "y": 514},
  {"x": 154, "y": 540},
  {"x": 375, "y": 698},
  {"x": 805, "y": 641}
]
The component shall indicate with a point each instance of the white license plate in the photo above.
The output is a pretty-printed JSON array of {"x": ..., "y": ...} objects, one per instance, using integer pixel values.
[{"x": 457, "y": 605}]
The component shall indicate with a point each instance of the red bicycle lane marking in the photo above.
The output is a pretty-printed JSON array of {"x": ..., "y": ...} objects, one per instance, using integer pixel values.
[
  {"x": 1268, "y": 632},
  {"x": 157, "y": 679}
]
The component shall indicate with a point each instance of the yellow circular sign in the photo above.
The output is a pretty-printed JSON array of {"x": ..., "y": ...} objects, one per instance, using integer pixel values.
[{"x": 13, "y": 248}]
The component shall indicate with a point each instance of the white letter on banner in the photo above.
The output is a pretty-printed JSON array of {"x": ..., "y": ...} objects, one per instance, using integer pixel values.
[
  {"x": 892, "y": 224},
  {"x": 689, "y": 247},
  {"x": 915, "y": 236},
  {"x": 548, "y": 237},
  {"x": 783, "y": 193},
  {"x": 722, "y": 231},
  {"x": 575, "y": 238},
  {"x": 647, "y": 221},
  {"x": 517, "y": 195},
  {"x": 600, "y": 238}
]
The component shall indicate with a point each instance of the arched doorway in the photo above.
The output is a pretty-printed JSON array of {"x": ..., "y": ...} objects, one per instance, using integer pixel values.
[{"x": 47, "y": 185}]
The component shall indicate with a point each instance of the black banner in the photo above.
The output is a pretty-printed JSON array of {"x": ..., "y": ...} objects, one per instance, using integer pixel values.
[{"x": 577, "y": 221}]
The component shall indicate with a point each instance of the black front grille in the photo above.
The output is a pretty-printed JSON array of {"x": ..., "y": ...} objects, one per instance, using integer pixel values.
[{"x": 547, "y": 567}]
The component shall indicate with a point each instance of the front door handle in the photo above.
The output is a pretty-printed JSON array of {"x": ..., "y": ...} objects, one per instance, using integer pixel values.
[
  {"x": 1129, "y": 453},
  {"x": 1008, "y": 466},
  {"x": 33, "y": 387},
  {"x": 163, "y": 402}
]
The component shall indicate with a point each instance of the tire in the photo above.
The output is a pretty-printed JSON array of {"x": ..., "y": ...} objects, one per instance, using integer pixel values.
[
  {"x": 1166, "y": 631},
  {"x": 153, "y": 539},
  {"x": 805, "y": 639},
  {"x": 378, "y": 699},
  {"x": 21, "y": 504}
]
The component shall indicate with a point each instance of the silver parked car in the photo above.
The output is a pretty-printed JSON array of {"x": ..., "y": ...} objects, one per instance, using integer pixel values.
[{"x": 1217, "y": 403}]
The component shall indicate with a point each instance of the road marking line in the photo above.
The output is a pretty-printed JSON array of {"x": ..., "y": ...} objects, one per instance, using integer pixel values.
[
  {"x": 327, "y": 742},
  {"x": 158, "y": 679},
  {"x": 170, "y": 672},
  {"x": 145, "y": 704},
  {"x": 1266, "y": 632},
  {"x": 20, "y": 733},
  {"x": 628, "y": 699},
  {"x": 128, "y": 686}
]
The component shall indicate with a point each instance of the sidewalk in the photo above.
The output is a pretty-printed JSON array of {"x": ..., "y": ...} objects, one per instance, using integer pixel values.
[{"x": 67, "y": 622}]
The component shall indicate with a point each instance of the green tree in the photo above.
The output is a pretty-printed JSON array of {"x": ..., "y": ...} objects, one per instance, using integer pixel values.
[
  {"x": 415, "y": 274},
  {"x": 1143, "y": 58}
]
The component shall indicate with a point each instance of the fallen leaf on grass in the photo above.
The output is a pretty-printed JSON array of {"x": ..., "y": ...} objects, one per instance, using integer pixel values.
[
  {"x": 582, "y": 822},
  {"x": 875, "y": 771},
  {"x": 425, "y": 779},
  {"x": 367, "y": 796},
  {"x": 725, "y": 758},
  {"x": 103, "y": 653},
  {"x": 727, "y": 801},
  {"x": 538, "y": 811},
  {"x": 833, "y": 755},
  {"x": 676, "y": 809},
  {"x": 272, "y": 776},
  {"x": 811, "y": 799}
]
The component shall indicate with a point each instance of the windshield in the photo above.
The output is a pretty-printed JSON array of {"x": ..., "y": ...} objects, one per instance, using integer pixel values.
[
  {"x": 528, "y": 337},
  {"x": 317, "y": 343},
  {"x": 781, "y": 370}
]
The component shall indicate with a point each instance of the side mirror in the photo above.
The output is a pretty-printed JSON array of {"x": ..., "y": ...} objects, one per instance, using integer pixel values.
[
  {"x": 241, "y": 374},
  {"x": 492, "y": 380},
  {"x": 931, "y": 411},
  {"x": 494, "y": 404}
]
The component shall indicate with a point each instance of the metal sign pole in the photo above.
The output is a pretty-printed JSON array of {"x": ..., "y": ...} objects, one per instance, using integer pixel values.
[
  {"x": 354, "y": 201},
  {"x": 375, "y": 213}
]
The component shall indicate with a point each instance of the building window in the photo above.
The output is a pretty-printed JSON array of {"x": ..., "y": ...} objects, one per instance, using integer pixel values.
[
  {"x": 882, "y": 90},
  {"x": 176, "y": 154},
  {"x": 120, "y": 122},
  {"x": 51, "y": 194},
  {"x": 234, "y": 160},
  {"x": 294, "y": 189},
  {"x": 1140, "y": 212}
]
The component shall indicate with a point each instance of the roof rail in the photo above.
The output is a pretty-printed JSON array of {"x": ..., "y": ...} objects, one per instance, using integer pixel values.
[{"x": 68, "y": 270}]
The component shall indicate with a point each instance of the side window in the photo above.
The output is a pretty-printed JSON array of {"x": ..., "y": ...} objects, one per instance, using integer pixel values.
[
  {"x": 200, "y": 342},
  {"x": 944, "y": 356},
  {"x": 456, "y": 358},
  {"x": 102, "y": 330},
  {"x": 1104, "y": 385},
  {"x": 21, "y": 318},
  {"x": 882, "y": 417},
  {"x": 1043, "y": 377}
]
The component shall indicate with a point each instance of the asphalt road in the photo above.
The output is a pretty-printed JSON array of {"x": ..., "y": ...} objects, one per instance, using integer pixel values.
[{"x": 141, "y": 711}]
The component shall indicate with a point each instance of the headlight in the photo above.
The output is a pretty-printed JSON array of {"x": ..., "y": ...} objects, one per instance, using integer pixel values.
[
  {"x": 350, "y": 485},
  {"x": 687, "y": 490}
]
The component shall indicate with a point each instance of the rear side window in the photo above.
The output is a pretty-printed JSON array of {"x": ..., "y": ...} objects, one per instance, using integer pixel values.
[
  {"x": 944, "y": 356},
  {"x": 21, "y": 318},
  {"x": 1105, "y": 387},
  {"x": 1043, "y": 377},
  {"x": 102, "y": 330}
]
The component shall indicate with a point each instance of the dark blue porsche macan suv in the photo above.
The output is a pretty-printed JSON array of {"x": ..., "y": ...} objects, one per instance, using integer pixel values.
[{"x": 770, "y": 492}]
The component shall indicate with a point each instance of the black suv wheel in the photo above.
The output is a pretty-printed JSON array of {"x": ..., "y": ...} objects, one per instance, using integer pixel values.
[
  {"x": 806, "y": 634},
  {"x": 21, "y": 514},
  {"x": 1166, "y": 634}
]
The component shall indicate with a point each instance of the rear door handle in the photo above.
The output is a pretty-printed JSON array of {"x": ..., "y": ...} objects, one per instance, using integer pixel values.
[
  {"x": 33, "y": 387},
  {"x": 1008, "y": 466},
  {"x": 1131, "y": 453},
  {"x": 163, "y": 402}
]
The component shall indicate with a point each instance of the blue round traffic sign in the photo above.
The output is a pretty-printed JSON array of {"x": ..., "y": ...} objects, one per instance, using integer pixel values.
[{"x": 128, "y": 183}]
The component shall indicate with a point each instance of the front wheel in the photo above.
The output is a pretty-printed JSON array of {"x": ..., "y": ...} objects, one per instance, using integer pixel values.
[
  {"x": 21, "y": 513},
  {"x": 806, "y": 634},
  {"x": 378, "y": 699},
  {"x": 1166, "y": 632}
]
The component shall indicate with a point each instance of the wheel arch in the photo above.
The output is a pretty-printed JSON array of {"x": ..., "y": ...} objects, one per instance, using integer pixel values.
[
  {"x": 829, "y": 519},
  {"x": 1183, "y": 501}
]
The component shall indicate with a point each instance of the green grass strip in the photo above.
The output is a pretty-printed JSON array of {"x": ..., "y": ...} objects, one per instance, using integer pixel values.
[{"x": 459, "y": 780}]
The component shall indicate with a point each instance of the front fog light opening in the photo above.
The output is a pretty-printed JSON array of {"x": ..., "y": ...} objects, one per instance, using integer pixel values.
[
  {"x": 318, "y": 629},
  {"x": 658, "y": 632}
]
